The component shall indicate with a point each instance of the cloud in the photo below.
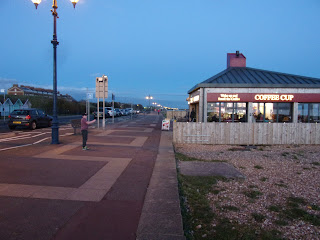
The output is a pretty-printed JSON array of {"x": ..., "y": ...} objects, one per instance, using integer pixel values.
[
  {"x": 6, "y": 83},
  {"x": 95, "y": 75}
]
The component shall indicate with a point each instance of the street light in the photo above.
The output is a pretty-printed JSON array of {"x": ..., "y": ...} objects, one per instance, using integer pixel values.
[
  {"x": 149, "y": 97},
  {"x": 55, "y": 43}
]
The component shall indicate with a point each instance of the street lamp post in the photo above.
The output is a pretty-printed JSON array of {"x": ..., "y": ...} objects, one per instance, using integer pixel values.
[
  {"x": 55, "y": 43},
  {"x": 149, "y": 97}
]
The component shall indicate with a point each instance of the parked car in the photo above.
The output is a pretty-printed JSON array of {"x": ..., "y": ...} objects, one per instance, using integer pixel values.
[
  {"x": 124, "y": 112},
  {"x": 31, "y": 118},
  {"x": 110, "y": 111},
  {"x": 130, "y": 110},
  {"x": 118, "y": 112},
  {"x": 95, "y": 113}
]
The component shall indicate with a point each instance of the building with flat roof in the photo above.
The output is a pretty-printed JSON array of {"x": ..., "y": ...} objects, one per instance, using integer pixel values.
[
  {"x": 244, "y": 94},
  {"x": 32, "y": 91}
]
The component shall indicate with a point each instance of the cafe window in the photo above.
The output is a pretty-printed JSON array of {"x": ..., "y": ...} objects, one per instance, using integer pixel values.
[
  {"x": 226, "y": 112},
  {"x": 272, "y": 112},
  {"x": 309, "y": 112}
]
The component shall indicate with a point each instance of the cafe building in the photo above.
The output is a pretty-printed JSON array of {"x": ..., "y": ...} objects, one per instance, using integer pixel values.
[{"x": 244, "y": 94}]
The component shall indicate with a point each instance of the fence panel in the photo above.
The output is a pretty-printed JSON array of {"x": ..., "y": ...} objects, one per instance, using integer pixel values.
[{"x": 246, "y": 133}]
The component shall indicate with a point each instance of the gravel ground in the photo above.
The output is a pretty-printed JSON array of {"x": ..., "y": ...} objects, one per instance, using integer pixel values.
[{"x": 278, "y": 173}]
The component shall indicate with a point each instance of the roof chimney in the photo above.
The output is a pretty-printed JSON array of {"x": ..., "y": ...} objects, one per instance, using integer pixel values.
[{"x": 236, "y": 60}]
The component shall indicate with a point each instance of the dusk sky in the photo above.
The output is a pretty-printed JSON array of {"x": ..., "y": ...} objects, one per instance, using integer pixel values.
[{"x": 162, "y": 48}]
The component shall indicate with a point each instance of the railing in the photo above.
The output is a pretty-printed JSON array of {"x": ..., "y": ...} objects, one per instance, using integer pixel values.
[{"x": 246, "y": 133}]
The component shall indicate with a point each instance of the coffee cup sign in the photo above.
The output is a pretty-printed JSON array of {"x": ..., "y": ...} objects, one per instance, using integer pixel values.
[{"x": 273, "y": 97}]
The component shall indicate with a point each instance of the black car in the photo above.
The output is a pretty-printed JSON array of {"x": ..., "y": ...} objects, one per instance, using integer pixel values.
[{"x": 31, "y": 118}]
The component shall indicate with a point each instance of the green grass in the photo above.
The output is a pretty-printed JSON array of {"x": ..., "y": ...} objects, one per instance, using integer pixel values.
[
  {"x": 315, "y": 207},
  {"x": 281, "y": 222},
  {"x": 258, "y": 217},
  {"x": 263, "y": 179},
  {"x": 196, "y": 211},
  {"x": 253, "y": 194},
  {"x": 196, "y": 208},
  {"x": 230, "y": 208},
  {"x": 285, "y": 154},
  {"x": 297, "y": 200},
  {"x": 295, "y": 211},
  {"x": 281, "y": 185},
  {"x": 258, "y": 167},
  {"x": 182, "y": 157},
  {"x": 316, "y": 163},
  {"x": 274, "y": 208}
]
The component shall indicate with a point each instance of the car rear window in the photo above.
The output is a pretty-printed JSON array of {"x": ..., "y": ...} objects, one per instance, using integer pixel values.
[{"x": 20, "y": 112}]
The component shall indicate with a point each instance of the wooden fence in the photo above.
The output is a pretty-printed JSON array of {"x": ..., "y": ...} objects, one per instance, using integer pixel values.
[
  {"x": 246, "y": 133},
  {"x": 176, "y": 114}
]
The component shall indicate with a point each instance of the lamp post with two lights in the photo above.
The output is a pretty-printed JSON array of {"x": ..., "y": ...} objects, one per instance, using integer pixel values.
[
  {"x": 149, "y": 97},
  {"x": 55, "y": 43}
]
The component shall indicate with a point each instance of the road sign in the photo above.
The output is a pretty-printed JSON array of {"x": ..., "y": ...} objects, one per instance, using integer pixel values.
[
  {"x": 102, "y": 87},
  {"x": 89, "y": 95}
]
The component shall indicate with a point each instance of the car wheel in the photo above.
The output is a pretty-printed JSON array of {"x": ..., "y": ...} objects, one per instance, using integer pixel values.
[
  {"x": 50, "y": 123},
  {"x": 33, "y": 125},
  {"x": 12, "y": 127}
]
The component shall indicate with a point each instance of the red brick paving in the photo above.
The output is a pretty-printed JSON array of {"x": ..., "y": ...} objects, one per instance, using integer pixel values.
[
  {"x": 115, "y": 217},
  {"x": 47, "y": 172},
  {"x": 110, "y": 139},
  {"x": 105, "y": 151}
]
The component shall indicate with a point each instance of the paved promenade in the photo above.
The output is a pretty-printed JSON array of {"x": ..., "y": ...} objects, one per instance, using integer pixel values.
[{"x": 124, "y": 187}]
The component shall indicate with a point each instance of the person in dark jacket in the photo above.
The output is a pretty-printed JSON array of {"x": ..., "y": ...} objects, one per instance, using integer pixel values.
[{"x": 193, "y": 115}]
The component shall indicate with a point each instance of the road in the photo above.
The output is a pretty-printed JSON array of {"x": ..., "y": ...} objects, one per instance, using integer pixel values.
[{"x": 22, "y": 137}]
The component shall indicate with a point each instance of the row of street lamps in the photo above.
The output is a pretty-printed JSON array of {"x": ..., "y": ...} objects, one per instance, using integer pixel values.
[{"x": 149, "y": 97}]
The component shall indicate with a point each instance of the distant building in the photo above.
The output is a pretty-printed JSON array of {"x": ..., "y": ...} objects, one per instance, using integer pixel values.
[
  {"x": 32, "y": 91},
  {"x": 7, "y": 106}
]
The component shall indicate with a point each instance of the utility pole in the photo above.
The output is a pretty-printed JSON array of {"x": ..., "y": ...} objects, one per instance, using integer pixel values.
[
  {"x": 4, "y": 99},
  {"x": 113, "y": 111}
]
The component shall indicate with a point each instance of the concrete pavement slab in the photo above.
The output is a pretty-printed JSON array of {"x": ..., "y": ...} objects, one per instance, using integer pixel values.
[
  {"x": 197, "y": 168},
  {"x": 161, "y": 214}
]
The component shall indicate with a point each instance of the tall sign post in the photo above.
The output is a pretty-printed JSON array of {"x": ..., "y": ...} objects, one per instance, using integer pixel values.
[
  {"x": 101, "y": 92},
  {"x": 114, "y": 112},
  {"x": 89, "y": 97},
  {"x": 4, "y": 99}
]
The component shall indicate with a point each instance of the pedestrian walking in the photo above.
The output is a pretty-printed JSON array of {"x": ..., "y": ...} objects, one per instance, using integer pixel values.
[{"x": 84, "y": 130}]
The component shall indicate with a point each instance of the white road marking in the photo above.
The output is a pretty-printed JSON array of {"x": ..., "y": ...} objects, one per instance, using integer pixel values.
[
  {"x": 20, "y": 138},
  {"x": 3, "y": 149},
  {"x": 39, "y": 141}
]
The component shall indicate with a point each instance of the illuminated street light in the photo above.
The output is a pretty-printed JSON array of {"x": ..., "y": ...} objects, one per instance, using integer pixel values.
[
  {"x": 149, "y": 97},
  {"x": 55, "y": 43}
]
